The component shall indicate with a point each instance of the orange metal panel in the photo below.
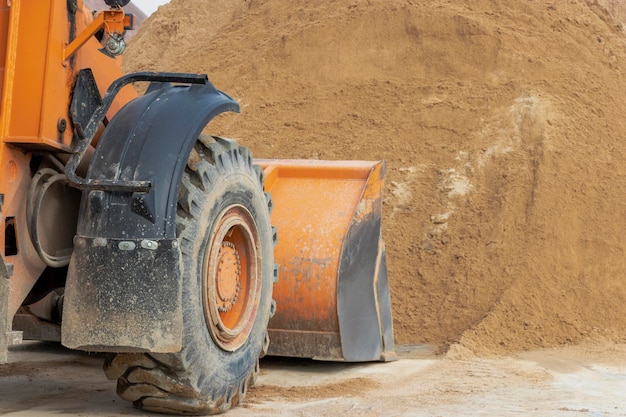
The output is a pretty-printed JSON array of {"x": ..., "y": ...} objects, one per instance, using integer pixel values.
[
  {"x": 314, "y": 204},
  {"x": 37, "y": 85},
  {"x": 58, "y": 81},
  {"x": 39, "y": 79},
  {"x": 4, "y": 28}
]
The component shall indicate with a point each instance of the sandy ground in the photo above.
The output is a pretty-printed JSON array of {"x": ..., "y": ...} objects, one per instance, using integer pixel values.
[{"x": 46, "y": 380}]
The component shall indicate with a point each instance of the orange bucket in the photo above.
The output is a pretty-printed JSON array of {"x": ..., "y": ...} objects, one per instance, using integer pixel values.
[{"x": 332, "y": 292}]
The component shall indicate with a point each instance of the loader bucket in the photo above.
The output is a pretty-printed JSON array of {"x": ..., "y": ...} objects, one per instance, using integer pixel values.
[{"x": 332, "y": 292}]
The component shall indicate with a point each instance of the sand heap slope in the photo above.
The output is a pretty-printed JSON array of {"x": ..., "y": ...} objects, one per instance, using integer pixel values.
[{"x": 502, "y": 124}]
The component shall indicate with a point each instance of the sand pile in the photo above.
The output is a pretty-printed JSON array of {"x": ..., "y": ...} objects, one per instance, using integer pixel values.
[{"x": 502, "y": 124}]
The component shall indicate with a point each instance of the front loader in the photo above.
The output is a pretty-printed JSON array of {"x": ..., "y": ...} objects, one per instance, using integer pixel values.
[{"x": 129, "y": 231}]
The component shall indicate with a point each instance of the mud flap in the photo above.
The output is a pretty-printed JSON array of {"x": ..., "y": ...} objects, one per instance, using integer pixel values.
[{"x": 125, "y": 296}]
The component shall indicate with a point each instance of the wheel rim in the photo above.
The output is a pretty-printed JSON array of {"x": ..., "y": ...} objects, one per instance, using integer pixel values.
[{"x": 232, "y": 278}]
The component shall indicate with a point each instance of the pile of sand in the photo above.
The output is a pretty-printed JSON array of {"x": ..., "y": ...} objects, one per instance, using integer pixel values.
[{"x": 502, "y": 124}]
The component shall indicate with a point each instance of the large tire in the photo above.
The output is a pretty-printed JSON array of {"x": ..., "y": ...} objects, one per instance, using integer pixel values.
[{"x": 227, "y": 246}]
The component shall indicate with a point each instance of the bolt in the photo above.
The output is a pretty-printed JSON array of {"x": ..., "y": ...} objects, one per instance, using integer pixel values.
[
  {"x": 126, "y": 245},
  {"x": 62, "y": 125},
  {"x": 149, "y": 244}
]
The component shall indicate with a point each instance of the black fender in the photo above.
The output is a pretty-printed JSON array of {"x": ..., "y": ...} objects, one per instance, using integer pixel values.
[
  {"x": 123, "y": 291},
  {"x": 149, "y": 140}
]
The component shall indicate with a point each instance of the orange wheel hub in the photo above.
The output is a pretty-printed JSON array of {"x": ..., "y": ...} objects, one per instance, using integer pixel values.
[{"x": 232, "y": 279}]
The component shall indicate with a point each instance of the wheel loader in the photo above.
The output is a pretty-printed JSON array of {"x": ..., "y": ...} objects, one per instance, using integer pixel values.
[{"x": 130, "y": 231}]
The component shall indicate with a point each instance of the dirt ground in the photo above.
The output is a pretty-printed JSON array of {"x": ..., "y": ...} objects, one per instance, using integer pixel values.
[{"x": 46, "y": 380}]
